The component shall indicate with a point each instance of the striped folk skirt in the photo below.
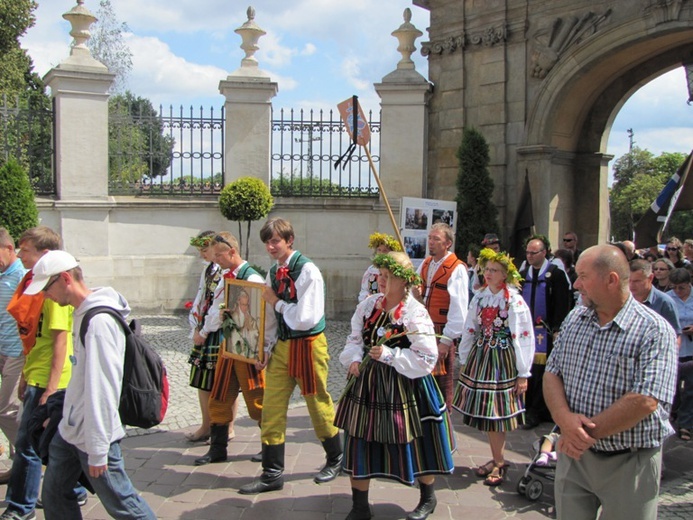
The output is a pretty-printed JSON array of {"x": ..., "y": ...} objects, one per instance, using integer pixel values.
[
  {"x": 395, "y": 427},
  {"x": 485, "y": 388},
  {"x": 203, "y": 361}
]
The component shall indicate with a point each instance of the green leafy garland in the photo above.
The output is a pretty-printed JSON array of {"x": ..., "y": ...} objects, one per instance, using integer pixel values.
[
  {"x": 377, "y": 239},
  {"x": 407, "y": 274},
  {"x": 489, "y": 255},
  {"x": 201, "y": 242}
]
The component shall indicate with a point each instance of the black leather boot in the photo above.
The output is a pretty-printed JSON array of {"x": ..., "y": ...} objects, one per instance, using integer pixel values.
[
  {"x": 333, "y": 464},
  {"x": 360, "y": 510},
  {"x": 272, "y": 478},
  {"x": 427, "y": 503},
  {"x": 218, "y": 442}
]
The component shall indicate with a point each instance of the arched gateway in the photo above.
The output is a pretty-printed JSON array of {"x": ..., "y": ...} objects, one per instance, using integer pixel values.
[{"x": 543, "y": 81}]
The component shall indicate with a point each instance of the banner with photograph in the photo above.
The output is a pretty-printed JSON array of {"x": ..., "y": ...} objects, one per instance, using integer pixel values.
[{"x": 417, "y": 216}]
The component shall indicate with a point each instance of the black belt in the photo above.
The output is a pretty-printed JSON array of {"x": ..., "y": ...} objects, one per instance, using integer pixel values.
[
  {"x": 685, "y": 359},
  {"x": 614, "y": 452}
]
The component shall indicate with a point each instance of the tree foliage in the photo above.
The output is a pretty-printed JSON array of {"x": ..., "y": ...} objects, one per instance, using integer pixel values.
[
  {"x": 108, "y": 46},
  {"x": 639, "y": 177},
  {"x": 18, "y": 210},
  {"x": 138, "y": 147},
  {"x": 245, "y": 200},
  {"x": 25, "y": 134},
  {"x": 476, "y": 212}
]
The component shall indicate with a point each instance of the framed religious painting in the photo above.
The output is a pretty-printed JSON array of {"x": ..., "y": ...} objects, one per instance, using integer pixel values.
[{"x": 243, "y": 321}]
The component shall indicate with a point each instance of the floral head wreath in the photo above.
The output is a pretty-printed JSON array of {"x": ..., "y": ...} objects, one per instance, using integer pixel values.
[
  {"x": 201, "y": 242},
  {"x": 377, "y": 239},
  {"x": 407, "y": 274},
  {"x": 489, "y": 255}
]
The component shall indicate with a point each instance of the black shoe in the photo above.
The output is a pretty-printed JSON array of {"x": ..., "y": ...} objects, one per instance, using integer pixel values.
[
  {"x": 256, "y": 458},
  {"x": 217, "y": 447},
  {"x": 427, "y": 503},
  {"x": 333, "y": 464},
  {"x": 360, "y": 509},
  {"x": 81, "y": 500},
  {"x": 272, "y": 478},
  {"x": 530, "y": 423}
]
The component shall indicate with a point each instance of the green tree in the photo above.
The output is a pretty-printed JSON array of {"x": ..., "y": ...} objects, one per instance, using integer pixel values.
[
  {"x": 639, "y": 177},
  {"x": 18, "y": 210},
  {"x": 25, "y": 133},
  {"x": 108, "y": 45},
  {"x": 137, "y": 144},
  {"x": 245, "y": 200},
  {"x": 476, "y": 212}
]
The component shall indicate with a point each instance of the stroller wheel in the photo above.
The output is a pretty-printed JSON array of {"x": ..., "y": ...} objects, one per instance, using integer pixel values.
[
  {"x": 522, "y": 484},
  {"x": 534, "y": 490}
]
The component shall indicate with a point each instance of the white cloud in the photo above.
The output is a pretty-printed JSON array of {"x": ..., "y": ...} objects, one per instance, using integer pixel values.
[
  {"x": 308, "y": 49},
  {"x": 163, "y": 77},
  {"x": 351, "y": 70}
]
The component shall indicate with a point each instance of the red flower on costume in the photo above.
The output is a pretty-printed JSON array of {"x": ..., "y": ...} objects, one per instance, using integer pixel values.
[{"x": 188, "y": 305}]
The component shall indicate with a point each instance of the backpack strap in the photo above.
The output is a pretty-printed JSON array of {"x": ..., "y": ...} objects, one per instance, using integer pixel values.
[{"x": 102, "y": 309}]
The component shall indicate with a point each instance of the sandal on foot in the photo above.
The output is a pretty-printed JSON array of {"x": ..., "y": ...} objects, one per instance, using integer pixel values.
[
  {"x": 485, "y": 469},
  {"x": 195, "y": 437},
  {"x": 684, "y": 434},
  {"x": 496, "y": 477}
]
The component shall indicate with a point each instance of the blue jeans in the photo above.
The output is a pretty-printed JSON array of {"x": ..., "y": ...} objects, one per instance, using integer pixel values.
[
  {"x": 114, "y": 489},
  {"x": 25, "y": 479},
  {"x": 23, "y": 488}
]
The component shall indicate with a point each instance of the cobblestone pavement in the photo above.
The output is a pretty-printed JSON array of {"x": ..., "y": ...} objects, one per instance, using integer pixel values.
[{"x": 160, "y": 462}]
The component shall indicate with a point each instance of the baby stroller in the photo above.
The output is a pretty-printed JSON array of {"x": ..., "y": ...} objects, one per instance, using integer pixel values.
[{"x": 531, "y": 483}]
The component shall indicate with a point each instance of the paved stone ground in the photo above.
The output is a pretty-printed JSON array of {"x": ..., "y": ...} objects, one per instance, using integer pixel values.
[{"x": 160, "y": 462}]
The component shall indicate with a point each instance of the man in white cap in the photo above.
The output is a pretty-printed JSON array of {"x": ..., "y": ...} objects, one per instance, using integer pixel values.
[{"x": 89, "y": 441}]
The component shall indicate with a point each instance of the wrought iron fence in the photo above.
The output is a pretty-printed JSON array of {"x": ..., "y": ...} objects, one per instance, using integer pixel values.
[
  {"x": 172, "y": 152},
  {"x": 304, "y": 150},
  {"x": 26, "y": 135}
]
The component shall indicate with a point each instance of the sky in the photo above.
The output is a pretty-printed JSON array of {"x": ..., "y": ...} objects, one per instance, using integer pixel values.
[{"x": 319, "y": 51}]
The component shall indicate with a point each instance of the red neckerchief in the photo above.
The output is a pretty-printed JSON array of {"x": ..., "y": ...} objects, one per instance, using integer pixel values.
[{"x": 282, "y": 276}]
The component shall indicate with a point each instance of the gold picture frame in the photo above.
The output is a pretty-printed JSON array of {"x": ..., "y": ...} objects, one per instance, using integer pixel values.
[{"x": 243, "y": 321}]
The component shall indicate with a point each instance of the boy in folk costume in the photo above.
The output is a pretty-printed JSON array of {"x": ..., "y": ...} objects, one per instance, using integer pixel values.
[
  {"x": 232, "y": 375},
  {"x": 445, "y": 293},
  {"x": 296, "y": 353}
]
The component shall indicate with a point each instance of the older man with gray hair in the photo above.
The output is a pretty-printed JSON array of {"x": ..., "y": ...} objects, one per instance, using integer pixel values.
[{"x": 609, "y": 384}]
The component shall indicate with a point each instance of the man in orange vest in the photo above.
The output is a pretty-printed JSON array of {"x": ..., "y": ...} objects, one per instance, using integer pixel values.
[{"x": 445, "y": 295}]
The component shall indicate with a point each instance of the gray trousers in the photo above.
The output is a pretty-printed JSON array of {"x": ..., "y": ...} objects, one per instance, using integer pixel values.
[{"x": 626, "y": 486}]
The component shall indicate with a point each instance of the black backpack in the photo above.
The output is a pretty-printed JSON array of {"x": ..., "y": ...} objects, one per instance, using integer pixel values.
[{"x": 144, "y": 396}]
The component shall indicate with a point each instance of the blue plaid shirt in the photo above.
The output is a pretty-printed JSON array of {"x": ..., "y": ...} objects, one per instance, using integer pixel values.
[{"x": 634, "y": 353}]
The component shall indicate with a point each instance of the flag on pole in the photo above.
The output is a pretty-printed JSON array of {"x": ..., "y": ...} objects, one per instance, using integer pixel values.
[
  {"x": 524, "y": 221},
  {"x": 356, "y": 126},
  {"x": 677, "y": 195}
]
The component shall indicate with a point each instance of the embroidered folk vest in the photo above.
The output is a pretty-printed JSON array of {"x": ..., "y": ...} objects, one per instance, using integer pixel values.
[
  {"x": 295, "y": 266},
  {"x": 437, "y": 298}
]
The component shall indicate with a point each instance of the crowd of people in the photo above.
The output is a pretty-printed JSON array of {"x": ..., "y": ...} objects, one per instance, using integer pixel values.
[{"x": 586, "y": 339}]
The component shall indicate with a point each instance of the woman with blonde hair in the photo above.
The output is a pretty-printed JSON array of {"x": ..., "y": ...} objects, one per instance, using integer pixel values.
[
  {"x": 392, "y": 411},
  {"x": 661, "y": 268},
  {"x": 496, "y": 351},
  {"x": 381, "y": 244}
]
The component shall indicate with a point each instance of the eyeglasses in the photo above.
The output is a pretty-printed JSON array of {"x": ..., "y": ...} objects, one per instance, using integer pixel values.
[
  {"x": 222, "y": 240},
  {"x": 48, "y": 285},
  {"x": 660, "y": 269},
  {"x": 672, "y": 248},
  {"x": 532, "y": 253},
  {"x": 568, "y": 239}
]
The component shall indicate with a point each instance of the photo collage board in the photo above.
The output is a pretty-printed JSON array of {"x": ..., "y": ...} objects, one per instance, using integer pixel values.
[{"x": 417, "y": 216}]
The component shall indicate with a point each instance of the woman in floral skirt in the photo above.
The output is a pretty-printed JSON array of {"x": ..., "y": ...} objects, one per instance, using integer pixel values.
[
  {"x": 392, "y": 412},
  {"x": 496, "y": 352},
  {"x": 205, "y": 324}
]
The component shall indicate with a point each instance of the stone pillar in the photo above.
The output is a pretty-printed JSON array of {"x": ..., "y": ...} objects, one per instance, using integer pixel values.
[
  {"x": 248, "y": 92},
  {"x": 79, "y": 87},
  {"x": 403, "y": 131}
]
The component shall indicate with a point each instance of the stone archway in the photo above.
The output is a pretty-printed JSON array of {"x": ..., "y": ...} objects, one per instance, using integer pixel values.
[{"x": 544, "y": 81}]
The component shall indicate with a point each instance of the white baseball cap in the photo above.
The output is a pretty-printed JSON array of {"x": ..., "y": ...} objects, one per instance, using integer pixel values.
[{"x": 50, "y": 264}]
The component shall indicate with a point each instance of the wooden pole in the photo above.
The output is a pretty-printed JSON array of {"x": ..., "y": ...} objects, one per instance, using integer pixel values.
[{"x": 384, "y": 196}]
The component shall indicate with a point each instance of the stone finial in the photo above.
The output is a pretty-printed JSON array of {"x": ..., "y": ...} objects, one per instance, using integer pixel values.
[
  {"x": 81, "y": 19},
  {"x": 406, "y": 35},
  {"x": 250, "y": 32}
]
